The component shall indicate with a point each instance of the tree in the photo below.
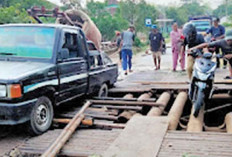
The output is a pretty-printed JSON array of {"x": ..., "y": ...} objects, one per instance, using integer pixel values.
[
  {"x": 182, "y": 13},
  {"x": 14, "y": 11},
  {"x": 106, "y": 23}
]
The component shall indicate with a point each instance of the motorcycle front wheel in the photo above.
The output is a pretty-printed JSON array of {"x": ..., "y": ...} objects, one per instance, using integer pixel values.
[{"x": 198, "y": 103}]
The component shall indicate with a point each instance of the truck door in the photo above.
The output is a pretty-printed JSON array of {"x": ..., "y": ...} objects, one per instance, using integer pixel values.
[{"x": 72, "y": 70}]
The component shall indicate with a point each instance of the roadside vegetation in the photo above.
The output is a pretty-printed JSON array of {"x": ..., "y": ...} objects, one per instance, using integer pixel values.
[{"x": 127, "y": 12}]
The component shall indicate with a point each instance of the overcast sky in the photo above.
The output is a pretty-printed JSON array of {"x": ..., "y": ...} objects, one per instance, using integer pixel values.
[{"x": 213, "y": 3}]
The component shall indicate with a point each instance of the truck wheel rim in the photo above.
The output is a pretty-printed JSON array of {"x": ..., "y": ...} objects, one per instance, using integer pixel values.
[{"x": 42, "y": 115}]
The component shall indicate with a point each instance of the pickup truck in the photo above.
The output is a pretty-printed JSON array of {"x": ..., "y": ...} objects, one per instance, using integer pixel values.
[
  {"x": 45, "y": 65},
  {"x": 202, "y": 23}
]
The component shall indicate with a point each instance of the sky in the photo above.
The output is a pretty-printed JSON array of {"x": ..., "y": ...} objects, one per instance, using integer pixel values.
[{"x": 213, "y": 3}]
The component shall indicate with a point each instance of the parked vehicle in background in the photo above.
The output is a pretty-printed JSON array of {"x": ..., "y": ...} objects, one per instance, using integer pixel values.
[
  {"x": 43, "y": 66},
  {"x": 202, "y": 23}
]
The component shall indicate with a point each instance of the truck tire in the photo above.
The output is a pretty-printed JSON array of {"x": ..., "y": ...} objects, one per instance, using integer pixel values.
[
  {"x": 198, "y": 103},
  {"x": 41, "y": 116},
  {"x": 103, "y": 91}
]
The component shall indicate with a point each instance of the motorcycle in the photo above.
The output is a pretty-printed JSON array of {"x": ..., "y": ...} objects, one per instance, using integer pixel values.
[{"x": 201, "y": 86}]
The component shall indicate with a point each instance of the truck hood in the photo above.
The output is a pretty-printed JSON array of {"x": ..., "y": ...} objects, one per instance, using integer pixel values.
[{"x": 15, "y": 70}]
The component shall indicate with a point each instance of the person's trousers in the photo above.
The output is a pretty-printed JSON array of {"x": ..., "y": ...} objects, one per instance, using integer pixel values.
[
  {"x": 190, "y": 63},
  {"x": 126, "y": 59},
  {"x": 217, "y": 51},
  {"x": 175, "y": 56}
]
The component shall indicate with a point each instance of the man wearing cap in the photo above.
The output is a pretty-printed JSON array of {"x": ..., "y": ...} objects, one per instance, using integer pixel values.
[
  {"x": 226, "y": 46},
  {"x": 217, "y": 32},
  {"x": 156, "y": 41},
  {"x": 128, "y": 38}
]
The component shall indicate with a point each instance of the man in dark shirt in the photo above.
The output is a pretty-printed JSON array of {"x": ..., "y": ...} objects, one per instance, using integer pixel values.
[
  {"x": 191, "y": 39},
  {"x": 217, "y": 32},
  {"x": 225, "y": 45},
  {"x": 156, "y": 41}
]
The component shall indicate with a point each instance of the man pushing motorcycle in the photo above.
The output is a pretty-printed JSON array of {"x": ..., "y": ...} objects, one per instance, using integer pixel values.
[
  {"x": 191, "y": 39},
  {"x": 226, "y": 47}
]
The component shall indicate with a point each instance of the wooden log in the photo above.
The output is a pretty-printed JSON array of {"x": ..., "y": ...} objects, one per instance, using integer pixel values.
[
  {"x": 178, "y": 82},
  {"x": 145, "y": 96},
  {"x": 196, "y": 124},
  {"x": 136, "y": 108},
  {"x": 228, "y": 121},
  {"x": 125, "y": 99},
  {"x": 89, "y": 122},
  {"x": 163, "y": 99},
  {"x": 126, "y": 115},
  {"x": 67, "y": 132},
  {"x": 176, "y": 110},
  {"x": 126, "y": 103},
  {"x": 106, "y": 117}
]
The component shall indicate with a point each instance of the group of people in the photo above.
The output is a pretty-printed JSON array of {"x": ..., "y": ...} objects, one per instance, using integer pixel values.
[
  {"x": 124, "y": 42},
  {"x": 180, "y": 39},
  {"x": 219, "y": 40}
]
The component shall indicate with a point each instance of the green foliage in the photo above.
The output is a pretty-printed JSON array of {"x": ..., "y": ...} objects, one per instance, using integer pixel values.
[
  {"x": 14, "y": 11},
  {"x": 181, "y": 14},
  {"x": 221, "y": 10},
  {"x": 106, "y": 23},
  {"x": 128, "y": 12},
  {"x": 137, "y": 42},
  {"x": 13, "y": 14}
]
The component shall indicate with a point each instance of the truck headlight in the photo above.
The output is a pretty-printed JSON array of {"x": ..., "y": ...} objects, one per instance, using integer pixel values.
[
  {"x": 14, "y": 91},
  {"x": 2, "y": 91}
]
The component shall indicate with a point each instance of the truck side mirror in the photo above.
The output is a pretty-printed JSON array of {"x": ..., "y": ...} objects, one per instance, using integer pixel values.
[{"x": 63, "y": 54}]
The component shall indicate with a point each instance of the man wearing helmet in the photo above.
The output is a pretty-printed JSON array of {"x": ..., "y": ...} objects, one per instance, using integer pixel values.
[
  {"x": 191, "y": 39},
  {"x": 226, "y": 46}
]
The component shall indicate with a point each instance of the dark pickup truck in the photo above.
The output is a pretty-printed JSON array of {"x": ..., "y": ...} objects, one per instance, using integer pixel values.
[{"x": 43, "y": 66}]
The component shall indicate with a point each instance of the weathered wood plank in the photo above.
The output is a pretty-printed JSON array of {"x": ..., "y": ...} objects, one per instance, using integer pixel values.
[{"x": 142, "y": 137}]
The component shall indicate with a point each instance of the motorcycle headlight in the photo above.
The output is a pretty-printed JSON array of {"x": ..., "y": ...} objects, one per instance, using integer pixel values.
[{"x": 2, "y": 91}]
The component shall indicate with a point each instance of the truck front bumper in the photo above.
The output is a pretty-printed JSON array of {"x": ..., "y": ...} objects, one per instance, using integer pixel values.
[{"x": 16, "y": 113}]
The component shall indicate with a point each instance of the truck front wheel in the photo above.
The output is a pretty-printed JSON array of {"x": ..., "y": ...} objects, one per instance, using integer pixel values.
[
  {"x": 103, "y": 92},
  {"x": 41, "y": 116}
]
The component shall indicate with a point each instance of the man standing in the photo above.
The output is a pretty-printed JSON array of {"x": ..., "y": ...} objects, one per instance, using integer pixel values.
[
  {"x": 191, "y": 39},
  {"x": 225, "y": 45},
  {"x": 127, "y": 43},
  {"x": 156, "y": 41},
  {"x": 217, "y": 32}
]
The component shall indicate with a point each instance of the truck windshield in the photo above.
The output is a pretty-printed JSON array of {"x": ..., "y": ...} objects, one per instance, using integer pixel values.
[
  {"x": 202, "y": 26},
  {"x": 30, "y": 42}
]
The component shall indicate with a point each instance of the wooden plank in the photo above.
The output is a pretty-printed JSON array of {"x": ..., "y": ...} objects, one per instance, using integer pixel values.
[
  {"x": 142, "y": 137},
  {"x": 179, "y": 143}
]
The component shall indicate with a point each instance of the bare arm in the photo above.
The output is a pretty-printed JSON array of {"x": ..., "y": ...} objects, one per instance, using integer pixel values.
[
  {"x": 228, "y": 56},
  {"x": 221, "y": 37},
  {"x": 201, "y": 46}
]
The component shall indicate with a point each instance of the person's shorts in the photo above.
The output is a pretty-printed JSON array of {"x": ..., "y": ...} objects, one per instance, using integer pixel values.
[{"x": 156, "y": 53}]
